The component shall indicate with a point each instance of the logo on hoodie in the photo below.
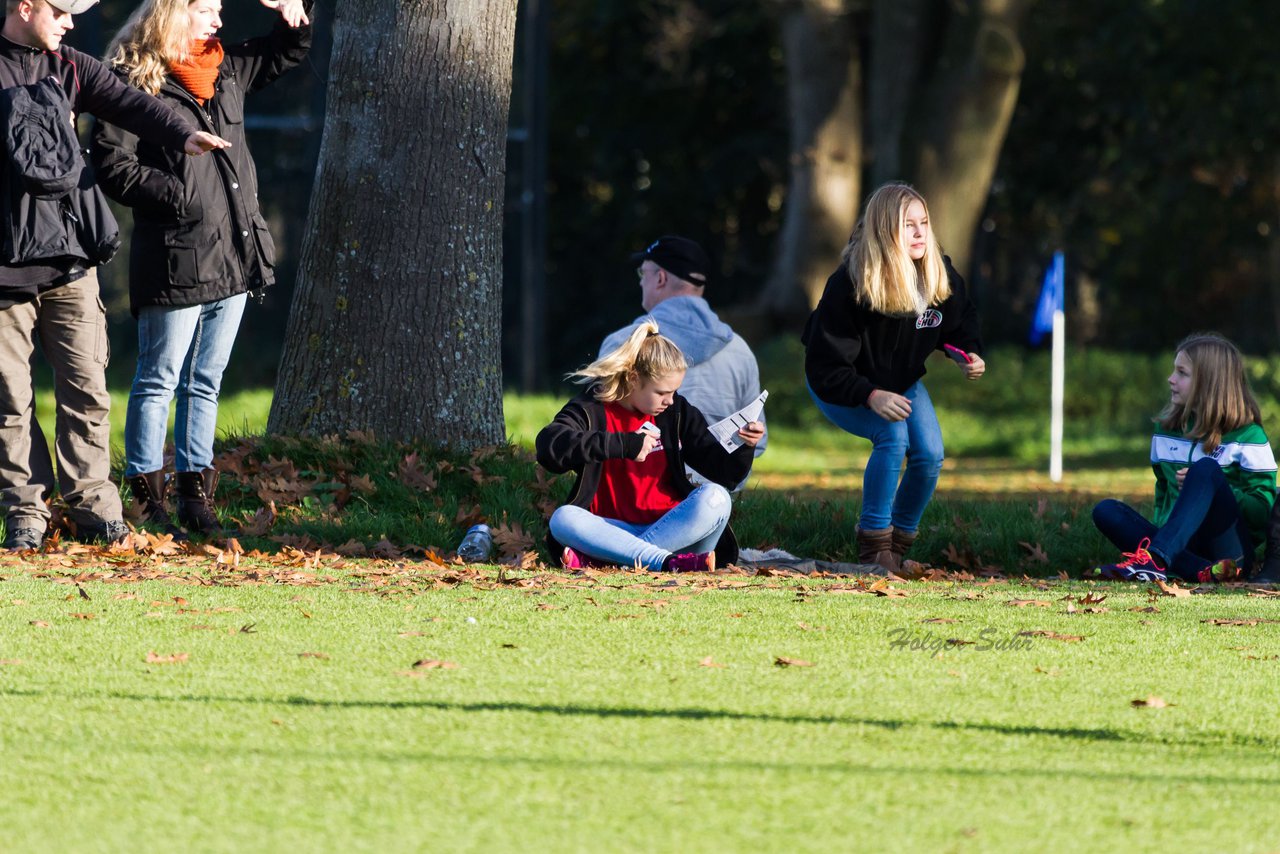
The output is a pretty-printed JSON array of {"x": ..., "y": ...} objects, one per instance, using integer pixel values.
[{"x": 931, "y": 318}]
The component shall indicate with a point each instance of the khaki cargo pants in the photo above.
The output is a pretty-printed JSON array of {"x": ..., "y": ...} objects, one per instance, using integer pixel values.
[{"x": 70, "y": 326}]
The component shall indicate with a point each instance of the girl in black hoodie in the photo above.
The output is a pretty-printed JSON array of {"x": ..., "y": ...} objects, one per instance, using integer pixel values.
[
  {"x": 893, "y": 301},
  {"x": 628, "y": 438}
]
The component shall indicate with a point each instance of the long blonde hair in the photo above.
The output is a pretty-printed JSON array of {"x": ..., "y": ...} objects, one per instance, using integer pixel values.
[
  {"x": 1220, "y": 400},
  {"x": 155, "y": 35},
  {"x": 644, "y": 356},
  {"x": 884, "y": 276}
]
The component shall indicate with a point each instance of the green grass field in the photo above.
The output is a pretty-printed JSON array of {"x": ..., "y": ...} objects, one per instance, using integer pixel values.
[
  {"x": 302, "y": 701},
  {"x": 633, "y": 713}
]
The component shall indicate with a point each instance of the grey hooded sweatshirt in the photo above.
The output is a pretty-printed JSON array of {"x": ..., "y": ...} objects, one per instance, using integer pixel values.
[{"x": 723, "y": 376}]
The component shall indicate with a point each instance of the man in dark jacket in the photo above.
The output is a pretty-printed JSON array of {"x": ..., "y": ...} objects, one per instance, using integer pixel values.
[{"x": 56, "y": 299}]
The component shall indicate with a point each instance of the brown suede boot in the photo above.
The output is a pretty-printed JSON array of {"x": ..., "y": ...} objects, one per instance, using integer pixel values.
[
  {"x": 195, "y": 502},
  {"x": 877, "y": 547},
  {"x": 901, "y": 544},
  {"x": 149, "y": 491}
]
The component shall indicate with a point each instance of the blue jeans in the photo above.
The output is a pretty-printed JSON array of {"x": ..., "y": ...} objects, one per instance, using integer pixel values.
[
  {"x": 182, "y": 350},
  {"x": 1204, "y": 526},
  {"x": 693, "y": 525},
  {"x": 918, "y": 438}
]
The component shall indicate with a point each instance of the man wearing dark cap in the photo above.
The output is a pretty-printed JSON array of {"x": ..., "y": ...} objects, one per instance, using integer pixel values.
[
  {"x": 723, "y": 376},
  {"x": 49, "y": 294}
]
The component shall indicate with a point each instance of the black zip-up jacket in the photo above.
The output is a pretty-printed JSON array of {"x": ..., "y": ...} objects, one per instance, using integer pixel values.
[
  {"x": 850, "y": 350},
  {"x": 198, "y": 233},
  {"x": 53, "y": 207},
  {"x": 92, "y": 88},
  {"x": 576, "y": 440}
]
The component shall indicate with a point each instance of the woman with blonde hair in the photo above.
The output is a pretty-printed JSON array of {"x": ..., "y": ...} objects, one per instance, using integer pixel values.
[
  {"x": 628, "y": 438},
  {"x": 894, "y": 300},
  {"x": 200, "y": 243},
  {"x": 1215, "y": 476}
]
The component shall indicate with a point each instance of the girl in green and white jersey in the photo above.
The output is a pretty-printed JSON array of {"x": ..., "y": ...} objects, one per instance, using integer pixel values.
[{"x": 1215, "y": 476}]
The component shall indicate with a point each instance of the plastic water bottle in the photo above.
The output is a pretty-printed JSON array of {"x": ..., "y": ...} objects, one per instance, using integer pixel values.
[{"x": 476, "y": 545}]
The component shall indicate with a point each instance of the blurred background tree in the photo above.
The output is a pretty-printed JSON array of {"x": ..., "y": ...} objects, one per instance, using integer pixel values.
[{"x": 1143, "y": 143}]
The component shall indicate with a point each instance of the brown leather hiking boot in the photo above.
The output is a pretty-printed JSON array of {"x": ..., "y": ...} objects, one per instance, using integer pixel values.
[
  {"x": 877, "y": 547},
  {"x": 149, "y": 491},
  {"x": 195, "y": 502}
]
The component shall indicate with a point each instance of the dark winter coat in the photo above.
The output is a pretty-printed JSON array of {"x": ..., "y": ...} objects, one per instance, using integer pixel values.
[
  {"x": 89, "y": 87},
  {"x": 198, "y": 233},
  {"x": 850, "y": 350},
  {"x": 54, "y": 207},
  {"x": 578, "y": 441}
]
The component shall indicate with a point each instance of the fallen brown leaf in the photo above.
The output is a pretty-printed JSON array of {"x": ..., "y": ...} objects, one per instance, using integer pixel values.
[
  {"x": 1244, "y": 622},
  {"x": 39, "y": 624},
  {"x": 1152, "y": 702},
  {"x": 434, "y": 664},
  {"x": 175, "y": 658},
  {"x": 1035, "y": 552},
  {"x": 313, "y": 655},
  {"x": 784, "y": 661},
  {"x": 710, "y": 662},
  {"x": 511, "y": 539},
  {"x": 1042, "y": 633},
  {"x": 1172, "y": 589}
]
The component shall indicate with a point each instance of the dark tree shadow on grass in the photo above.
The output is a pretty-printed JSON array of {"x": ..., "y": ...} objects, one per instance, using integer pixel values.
[{"x": 1088, "y": 734}]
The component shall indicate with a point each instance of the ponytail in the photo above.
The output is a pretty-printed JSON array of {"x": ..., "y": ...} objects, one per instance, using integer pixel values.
[{"x": 644, "y": 356}]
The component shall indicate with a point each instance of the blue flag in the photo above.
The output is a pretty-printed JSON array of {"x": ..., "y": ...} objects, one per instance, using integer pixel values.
[{"x": 1052, "y": 298}]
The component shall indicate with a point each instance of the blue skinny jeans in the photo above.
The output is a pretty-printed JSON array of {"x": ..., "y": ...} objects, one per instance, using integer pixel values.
[
  {"x": 693, "y": 525},
  {"x": 885, "y": 502},
  {"x": 1204, "y": 527},
  {"x": 181, "y": 350}
]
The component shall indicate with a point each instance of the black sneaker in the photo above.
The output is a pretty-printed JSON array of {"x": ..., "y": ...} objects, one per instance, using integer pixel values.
[
  {"x": 109, "y": 531},
  {"x": 23, "y": 539}
]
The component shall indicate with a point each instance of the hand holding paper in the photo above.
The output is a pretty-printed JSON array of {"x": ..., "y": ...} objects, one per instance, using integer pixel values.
[{"x": 729, "y": 431}]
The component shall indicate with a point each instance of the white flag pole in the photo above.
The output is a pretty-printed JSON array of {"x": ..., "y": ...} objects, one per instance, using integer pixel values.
[{"x": 1055, "y": 397}]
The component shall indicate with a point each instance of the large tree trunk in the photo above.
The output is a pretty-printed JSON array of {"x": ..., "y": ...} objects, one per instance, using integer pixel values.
[
  {"x": 396, "y": 320},
  {"x": 965, "y": 115},
  {"x": 823, "y": 80},
  {"x": 899, "y": 31}
]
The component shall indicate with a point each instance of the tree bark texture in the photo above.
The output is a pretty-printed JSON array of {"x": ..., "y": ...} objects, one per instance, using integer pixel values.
[
  {"x": 964, "y": 117},
  {"x": 899, "y": 32},
  {"x": 396, "y": 318},
  {"x": 823, "y": 83}
]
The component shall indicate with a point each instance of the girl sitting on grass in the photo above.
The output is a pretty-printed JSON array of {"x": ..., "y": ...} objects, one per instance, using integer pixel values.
[
  {"x": 628, "y": 437},
  {"x": 1215, "y": 476}
]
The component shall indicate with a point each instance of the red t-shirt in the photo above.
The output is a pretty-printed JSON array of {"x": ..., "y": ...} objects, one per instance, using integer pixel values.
[{"x": 629, "y": 491}]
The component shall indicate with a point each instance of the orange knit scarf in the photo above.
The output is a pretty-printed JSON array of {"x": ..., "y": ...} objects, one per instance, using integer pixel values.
[{"x": 198, "y": 74}]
